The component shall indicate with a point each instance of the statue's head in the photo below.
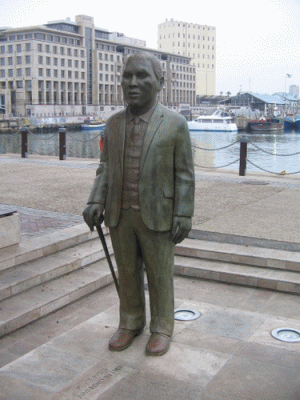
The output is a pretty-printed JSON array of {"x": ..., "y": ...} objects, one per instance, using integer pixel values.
[{"x": 141, "y": 82}]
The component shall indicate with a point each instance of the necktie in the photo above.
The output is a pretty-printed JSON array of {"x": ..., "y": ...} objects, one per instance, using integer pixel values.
[{"x": 135, "y": 128}]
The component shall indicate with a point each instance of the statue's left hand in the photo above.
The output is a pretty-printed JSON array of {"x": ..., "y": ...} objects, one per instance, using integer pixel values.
[{"x": 180, "y": 229}]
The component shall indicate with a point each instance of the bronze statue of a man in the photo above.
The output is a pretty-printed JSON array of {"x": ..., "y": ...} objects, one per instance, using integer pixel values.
[{"x": 145, "y": 185}]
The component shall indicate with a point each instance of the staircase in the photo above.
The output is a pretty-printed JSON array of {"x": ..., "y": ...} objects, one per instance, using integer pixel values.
[
  {"x": 243, "y": 261},
  {"x": 42, "y": 275}
]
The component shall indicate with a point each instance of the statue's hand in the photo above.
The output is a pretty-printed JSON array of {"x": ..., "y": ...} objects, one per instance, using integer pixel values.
[
  {"x": 180, "y": 229},
  {"x": 93, "y": 215}
]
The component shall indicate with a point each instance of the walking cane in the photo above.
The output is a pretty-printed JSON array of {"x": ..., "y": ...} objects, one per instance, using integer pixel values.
[{"x": 103, "y": 241}]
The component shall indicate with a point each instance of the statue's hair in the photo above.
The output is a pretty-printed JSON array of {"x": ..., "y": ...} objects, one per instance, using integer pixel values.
[{"x": 156, "y": 65}]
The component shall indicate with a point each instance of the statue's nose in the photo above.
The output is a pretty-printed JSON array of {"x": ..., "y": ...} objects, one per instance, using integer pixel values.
[{"x": 133, "y": 81}]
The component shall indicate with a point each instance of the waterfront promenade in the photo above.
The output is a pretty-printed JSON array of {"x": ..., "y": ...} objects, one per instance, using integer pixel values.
[{"x": 228, "y": 354}]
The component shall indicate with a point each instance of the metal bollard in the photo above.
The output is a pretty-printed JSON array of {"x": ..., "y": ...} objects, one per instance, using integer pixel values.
[
  {"x": 24, "y": 139},
  {"x": 62, "y": 143},
  {"x": 243, "y": 156}
]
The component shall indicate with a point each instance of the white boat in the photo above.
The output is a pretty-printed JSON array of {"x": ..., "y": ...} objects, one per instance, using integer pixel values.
[
  {"x": 219, "y": 121},
  {"x": 93, "y": 127}
]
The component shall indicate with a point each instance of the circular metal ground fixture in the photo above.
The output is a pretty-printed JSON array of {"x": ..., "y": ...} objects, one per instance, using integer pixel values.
[
  {"x": 290, "y": 335},
  {"x": 184, "y": 314}
]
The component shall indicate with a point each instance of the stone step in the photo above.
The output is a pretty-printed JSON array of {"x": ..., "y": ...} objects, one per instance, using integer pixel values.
[
  {"x": 32, "y": 273},
  {"x": 29, "y": 305},
  {"x": 240, "y": 274},
  {"x": 240, "y": 254},
  {"x": 31, "y": 249}
]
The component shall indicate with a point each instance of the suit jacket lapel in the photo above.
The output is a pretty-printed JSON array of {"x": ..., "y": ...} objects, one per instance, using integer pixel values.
[
  {"x": 153, "y": 126},
  {"x": 119, "y": 139}
]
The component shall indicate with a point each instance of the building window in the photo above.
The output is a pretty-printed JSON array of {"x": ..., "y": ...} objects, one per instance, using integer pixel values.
[
  {"x": 19, "y": 60},
  {"x": 19, "y": 48},
  {"x": 82, "y": 64},
  {"x": 47, "y": 48},
  {"x": 54, "y": 49},
  {"x": 69, "y": 51},
  {"x": 40, "y": 36},
  {"x": 62, "y": 62},
  {"x": 2, "y": 61},
  {"x": 27, "y": 71},
  {"x": 28, "y": 35},
  {"x": 10, "y": 48},
  {"x": 75, "y": 53},
  {"x": 69, "y": 74},
  {"x": 55, "y": 61},
  {"x": 19, "y": 84},
  {"x": 28, "y": 46},
  {"x": 40, "y": 48},
  {"x": 76, "y": 63},
  {"x": 69, "y": 63},
  {"x": 82, "y": 75},
  {"x": 40, "y": 71},
  {"x": 2, "y": 49},
  {"x": 76, "y": 75},
  {"x": 10, "y": 72},
  {"x": 48, "y": 73},
  {"x": 55, "y": 73},
  {"x": 62, "y": 50},
  {"x": 40, "y": 59},
  {"x": 48, "y": 60},
  {"x": 10, "y": 61},
  {"x": 62, "y": 74},
  {"x": 2, "y": 73}
]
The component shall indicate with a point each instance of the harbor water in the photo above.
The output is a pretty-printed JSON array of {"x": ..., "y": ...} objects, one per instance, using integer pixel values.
[{"x": 268, "y": 152}]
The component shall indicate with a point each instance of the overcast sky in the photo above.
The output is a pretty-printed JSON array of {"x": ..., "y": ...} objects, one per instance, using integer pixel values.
[{"x": 258, "y": 41}]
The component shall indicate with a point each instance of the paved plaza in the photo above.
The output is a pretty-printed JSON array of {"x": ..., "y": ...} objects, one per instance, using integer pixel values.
[{"x": 226, "y": 354}]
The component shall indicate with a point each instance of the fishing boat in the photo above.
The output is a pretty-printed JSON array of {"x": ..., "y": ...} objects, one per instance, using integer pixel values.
[
  {"x": 92, "y": 124},
  {"x": 297, "y": 121},
  {"x": 266, "y": 125},
  {"x": 219, "y": 121},
  {"x": 289, "y": 122}
]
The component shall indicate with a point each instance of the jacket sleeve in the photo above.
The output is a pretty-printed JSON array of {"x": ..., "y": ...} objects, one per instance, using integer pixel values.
[
  {"x": 99, "y": 189},
  {"x": 184, "y": 179}
]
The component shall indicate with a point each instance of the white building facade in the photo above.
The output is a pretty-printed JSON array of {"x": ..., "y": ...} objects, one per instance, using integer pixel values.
[
  {"x": 68, "y": 68},
  {"x": 195, "y": 41}
]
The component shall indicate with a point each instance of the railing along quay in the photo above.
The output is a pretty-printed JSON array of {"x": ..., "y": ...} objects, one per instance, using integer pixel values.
[{"x": 241, "y": 161}]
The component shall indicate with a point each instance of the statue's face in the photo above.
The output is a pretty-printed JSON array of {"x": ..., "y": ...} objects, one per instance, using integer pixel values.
[{"x": 140, "y": 85}]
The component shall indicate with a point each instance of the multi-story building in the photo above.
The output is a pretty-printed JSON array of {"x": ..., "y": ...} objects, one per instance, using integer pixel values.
[
  {"x": 195, "y": 41},
  {"x": 71, "y": 68},
  {"x": 294, "y": 91}
]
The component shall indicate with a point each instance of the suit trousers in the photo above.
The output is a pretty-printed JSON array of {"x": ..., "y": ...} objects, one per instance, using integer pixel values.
[{"x": 135, "y": 244}]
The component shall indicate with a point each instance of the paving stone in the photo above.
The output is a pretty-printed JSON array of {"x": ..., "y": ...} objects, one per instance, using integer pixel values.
[
  {"x": 50, "y": 369},
  {"x": 255, "y": 380},
  {"x": 208, "y": 341},
  {"x": 152, "y": 386},
  {"x": 230, "y": 323},
  {"x": 12, "y": 389},
  {"x": 186, "y": 363},
  {"x": 270, "y": 354}
]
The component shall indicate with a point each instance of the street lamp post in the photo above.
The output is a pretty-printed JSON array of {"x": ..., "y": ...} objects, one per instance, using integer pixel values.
[{"x": 287, "y": 76}]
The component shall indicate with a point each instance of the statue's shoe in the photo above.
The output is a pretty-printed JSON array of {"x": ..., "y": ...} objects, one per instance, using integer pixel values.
[
  {"x": 158, "y": 344},
  {"x": 122, "y": 339}
]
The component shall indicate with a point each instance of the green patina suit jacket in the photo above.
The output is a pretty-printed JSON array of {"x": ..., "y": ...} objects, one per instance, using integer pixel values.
[{"x": 166, "y": 179}]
